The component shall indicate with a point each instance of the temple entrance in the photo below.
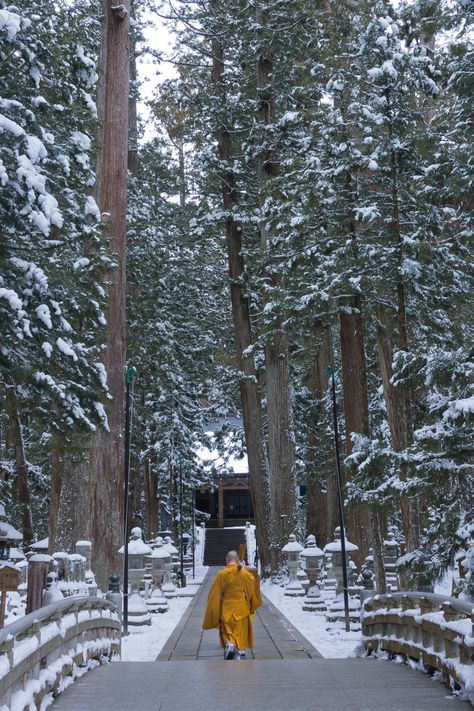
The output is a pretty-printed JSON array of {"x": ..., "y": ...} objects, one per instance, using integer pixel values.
[
  {"x": 236, "y": 503},
  {"x": 225, "y": 507}
]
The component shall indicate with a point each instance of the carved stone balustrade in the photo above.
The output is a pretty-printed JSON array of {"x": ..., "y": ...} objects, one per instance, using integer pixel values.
[
  {"x": 436, "y": 630},
  {"x": 38, "y": 651}
]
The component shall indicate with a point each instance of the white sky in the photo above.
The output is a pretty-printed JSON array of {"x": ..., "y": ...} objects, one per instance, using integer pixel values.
[{"x": 150, "y": 71}]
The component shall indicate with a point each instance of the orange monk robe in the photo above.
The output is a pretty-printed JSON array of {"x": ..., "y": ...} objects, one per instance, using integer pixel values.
[{"x": 232, "y": 599}]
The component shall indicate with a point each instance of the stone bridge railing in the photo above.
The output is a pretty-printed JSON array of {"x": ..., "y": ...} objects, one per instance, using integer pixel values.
[
  {"x": 436, "y": 630},
  {"x": 43, "y": 651}
]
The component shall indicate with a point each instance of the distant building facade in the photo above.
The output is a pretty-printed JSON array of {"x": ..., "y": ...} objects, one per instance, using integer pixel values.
[{"x": 228, "y": 503}]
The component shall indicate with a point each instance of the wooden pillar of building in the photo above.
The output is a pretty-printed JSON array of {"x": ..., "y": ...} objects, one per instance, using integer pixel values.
[{"x": 220, "y": 505}]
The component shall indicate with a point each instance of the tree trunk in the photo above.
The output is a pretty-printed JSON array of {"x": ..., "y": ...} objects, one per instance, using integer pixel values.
[
  {"x": 243, "y": 337},
  {"x": 182, "y": 175},
  {"x": 21, "y": 466},
  {"x": 55, "y": 495},
  {"x": 320, "y": 504},
  {"x": 281, "y": 446},
  {"x": 397, "y": 415},
  {"x": 356, "y": 410},
  {"x": 136, "y": 492},
  {"x": 377, "y": 528},
  {"x": 104, "y": 474},
  {"x": 132, "y": 160},
  {"x": 150, "y": 481}
]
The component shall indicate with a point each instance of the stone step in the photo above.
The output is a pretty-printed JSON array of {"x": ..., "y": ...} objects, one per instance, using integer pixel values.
[{"x": 219, "y": 541}]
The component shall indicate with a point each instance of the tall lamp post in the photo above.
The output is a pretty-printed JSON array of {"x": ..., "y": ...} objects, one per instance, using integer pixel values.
[
  {"x": 129, "y": 383},
  {"x": 181, "y": 528},
  {"x": 340, "y": 500},
  {"x": 193, "y": 524}
]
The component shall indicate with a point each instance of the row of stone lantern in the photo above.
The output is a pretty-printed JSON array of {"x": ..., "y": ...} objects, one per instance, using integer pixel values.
[
  {"x": 151, "y": 564},
  {"x": 311, "y": 568}
]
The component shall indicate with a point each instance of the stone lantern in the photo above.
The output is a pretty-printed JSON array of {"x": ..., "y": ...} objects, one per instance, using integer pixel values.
[
  {"x": 84, "y": 548},
  {"x": 366, "y": 580},
  {"x": 185, "y": 543},
  {"x": 168, "y": 587},
  {"x": 187, "y": 550},
  {"x": 334, "y": 548},
  {"x": 137, "y": 551},
  {"x": 157, "y": 601},
  {"x": 292, "y": 551},
  {"x": 77, "y": 573},
  {"x": 391, "y": 554},
  {"x": 312, "y": 558},
  {"x": 9, "y": 536},
  {"x": 171, "y": 548},
  {"x": 52, "y": 593},
  {"x": 159, "y": 557}
]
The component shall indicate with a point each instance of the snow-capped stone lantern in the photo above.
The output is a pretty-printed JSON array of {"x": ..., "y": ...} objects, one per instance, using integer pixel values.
[
  {"x": 52, "y": 593},
  {"x": 312, "y": 558},
  {"x": 335, "y": 550},
  {"x": 159, "y": 558},
  {"x": 84, "y": 548},
  {"x": 157, "y": 602},
  {"x": 77, "y": 567},
  {"x": 137, "y": 551},
  {"x": 391, "y": 554},
  {"x": 185, "y": 543},
  {"x": 171, "y": 548},
  {"x": 292, "y": 551},
  {"x": 9, "y": 536},
  {"x": 114, "y": 593}
]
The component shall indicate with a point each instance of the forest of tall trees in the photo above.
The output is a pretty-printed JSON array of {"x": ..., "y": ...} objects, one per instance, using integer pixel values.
[{"x": 298, "y": 201}]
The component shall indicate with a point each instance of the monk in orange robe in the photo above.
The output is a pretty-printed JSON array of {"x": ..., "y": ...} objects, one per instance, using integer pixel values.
[{"x": 232, "y": 599}]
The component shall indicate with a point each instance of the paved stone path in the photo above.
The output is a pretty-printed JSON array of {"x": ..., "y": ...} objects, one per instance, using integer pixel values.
[
  {"x": 275, "y": 636},
  {"x": 257, "y": 685},
  {"x": 284, "y": 672}
]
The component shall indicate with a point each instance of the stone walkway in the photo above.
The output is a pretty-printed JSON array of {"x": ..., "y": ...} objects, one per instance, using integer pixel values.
[
  {"x": 284, "y": 672},
  {"x": 257, "y": 685},
  {"x": 275, "y": 637}
]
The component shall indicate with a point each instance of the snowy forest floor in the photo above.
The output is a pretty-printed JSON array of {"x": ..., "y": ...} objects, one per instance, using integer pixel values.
[{"x": 330, "y": 639}]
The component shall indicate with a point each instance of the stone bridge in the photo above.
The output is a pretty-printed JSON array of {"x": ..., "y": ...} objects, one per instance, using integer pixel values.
[{"x": 284, "y": 672}]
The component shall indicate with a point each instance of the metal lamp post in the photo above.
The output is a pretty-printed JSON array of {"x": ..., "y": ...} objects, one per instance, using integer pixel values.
[
  {"x": 182, "y": 578},
  {"x": 129, "y": 381},
  {"x": 340, "y": 500},
  {"x": 193, "y": 524}
]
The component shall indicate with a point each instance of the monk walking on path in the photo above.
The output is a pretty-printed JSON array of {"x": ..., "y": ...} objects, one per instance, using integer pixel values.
[{"x": 232, "y": 599}]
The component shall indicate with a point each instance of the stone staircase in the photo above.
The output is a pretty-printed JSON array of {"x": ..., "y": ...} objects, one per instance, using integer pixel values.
[{"x": 219, "y": 541}]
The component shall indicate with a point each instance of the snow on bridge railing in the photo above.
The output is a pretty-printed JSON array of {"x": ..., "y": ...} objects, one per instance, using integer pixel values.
[
  {"x": 435, "y": 630},
  {"x": 44, "y": 651}
]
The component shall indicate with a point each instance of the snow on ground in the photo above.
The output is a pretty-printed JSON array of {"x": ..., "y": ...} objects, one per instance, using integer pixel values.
[
  {"x": 143, "y": 644},
  {"x": 331, "y": 640}
]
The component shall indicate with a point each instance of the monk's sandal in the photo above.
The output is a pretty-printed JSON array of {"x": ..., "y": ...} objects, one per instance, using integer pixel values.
[{"x": 229, "y": 651}]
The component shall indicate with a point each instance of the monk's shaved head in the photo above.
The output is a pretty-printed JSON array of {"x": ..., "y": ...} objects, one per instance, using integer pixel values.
[{"x": 232, "y": 557}]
